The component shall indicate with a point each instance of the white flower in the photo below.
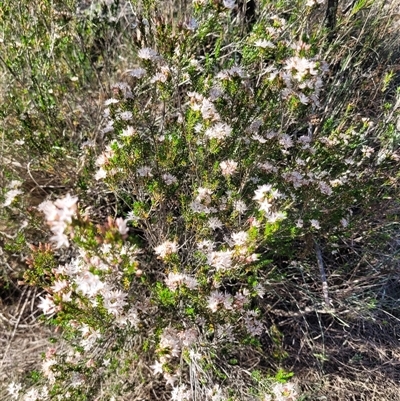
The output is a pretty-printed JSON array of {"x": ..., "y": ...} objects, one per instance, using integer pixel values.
[
  {"x": 265, "y": 206},
  {"x": 180, "y": 393},
  {"x": 192, "y": 24},
  {"x": 230, "y": 4},
  {"x": 277, "y": 216},
  {"x": 263, "y": 43},
  {"x": 10, "y": 196},
  {"x": 219, "y": 131},
  {"x": 166, "y": 248},
  {"x": 239, "y": 206},
  {"x": 221, "y": 260},
  {"x": 101, "y": 174},
  {"x": 60, "y": 239},
  {"x": 215, "y": 298},
  {"x": 228, "y": 167},
  {"x": 128, "y": 132},
  {"x": 59, "y": 285},
  {"x": 259, "y": 138},
  {"x": 208, "y": 110},
  {"x": 315, "y": 224},
  {"x": 325, "y": 188},
  {"x": 175, "y": 279},
  {"x": 303, "y": 98},
  {"x": 32, "y": 395},
  {"x": 285, "y": 391},
  {"x": 14, "y": 389},
  {"x": 147, "y": 54},
  {"x": 169, "y": 179},
  {"x": 204, "y": 195},
  {"x": 170, "y": 379},
  {"x": 310, "y": 3},
  {"x": 261, "y": 192},
  {"x": 302, "y": 65},
  {"x": 114, "y": 301},
  {"x": 122, "y": 227},
  {"x": 214, "y": 223},
  {"x": 14, "y": 184},
  {"x": 89, "y": 284},
  {"x": 286, "y": 141},
  {"x": 126, "y": 115},
  {"x": 145, "y": 171},
  {"x": 111, "y": 101},
  {"x": 47, "y": 305},
  {"x": 157, "y": 368},
  {"x": 367, "y": 151},
  {"x": 260, "y": 290},
  {"x": 131, "y": 216},
  {"x": 137, "y": 72},
  {"x": 240, "y": 238},
  {"x": 159, "y": 77}
]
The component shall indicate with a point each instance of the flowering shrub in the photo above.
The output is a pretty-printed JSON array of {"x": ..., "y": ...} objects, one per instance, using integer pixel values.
[{"x": 223, "y": 164}]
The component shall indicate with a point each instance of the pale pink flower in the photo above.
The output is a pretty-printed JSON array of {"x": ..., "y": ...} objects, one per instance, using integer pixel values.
[
  {"x": 169, "y": 179},
  {"x": 122, "y": 227},
  {"x": 111, "y": 101},
  {"x": 10, "y": 196},
  {"x": 147, "y": 54},
  {"x": 205, "y": 245},
  {"x": 315, "y": 224},
  {"x": 59, "y": 285},
  {"x": 221, "y": 260},
  {"x": 240, "y": 206},
  {"x": 325, "y": 188},
  {"x": 344, "y": 222},
  {"x": 145, "y": 171},
  {"x": 175, "y": 279},
  {"x": 180, "y": 393},
  {"x": 208, "y": 111},
  {"x": 47, "y": 305},
  {"x": 114, "y": 301},
  {"x": 214, "y": 300},
  {"x": 128, "y": 132},
  {"x": 219, "y": 131},
  {"x": 89, "y": 284},
  {"x": 286, "y": 141},
  {"x": 166, "y": 248},
  {"x": 101, "y": 174},
  {"x": 263, "y": 43},
  {"x": 240, "y": 238},
  {"x": 32, "y": 395},
  {"x": 137, "y": 72},
  {"x": 231, "y": 4},
  {"x": 204, "y": 195},
  {"x": 157, "y": 368},
  {"x": 126, "y": 115},
  {"x": 214, "y": 223},
  {"x": 228, "y": 167},
  {"x": 14, "y": 389}
]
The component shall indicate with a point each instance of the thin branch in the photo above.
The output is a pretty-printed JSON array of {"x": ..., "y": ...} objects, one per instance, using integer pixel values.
[{"x": 323, "y": 274}]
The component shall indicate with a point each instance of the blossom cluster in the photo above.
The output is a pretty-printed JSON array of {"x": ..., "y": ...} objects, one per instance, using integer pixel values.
[{"x": 58, "y": 215}]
